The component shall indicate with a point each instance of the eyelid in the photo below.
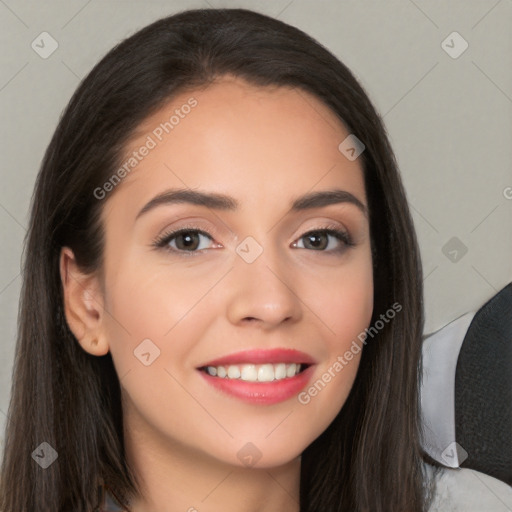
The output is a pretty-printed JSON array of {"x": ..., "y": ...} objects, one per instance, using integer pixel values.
[{"x": 160, "y": 240}]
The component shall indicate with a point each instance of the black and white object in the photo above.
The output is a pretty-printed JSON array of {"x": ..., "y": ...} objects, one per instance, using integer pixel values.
[{"x": 466, "y": 390}]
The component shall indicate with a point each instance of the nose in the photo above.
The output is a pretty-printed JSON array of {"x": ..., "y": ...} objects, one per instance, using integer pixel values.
[{"x": 262, "y": 292}]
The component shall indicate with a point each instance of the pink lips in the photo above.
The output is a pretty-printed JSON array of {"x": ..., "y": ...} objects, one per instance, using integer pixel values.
[{"x": 265, "y": 393}]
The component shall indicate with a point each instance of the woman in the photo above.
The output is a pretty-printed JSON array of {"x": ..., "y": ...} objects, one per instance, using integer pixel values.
[{"x": 222, "y": 297}]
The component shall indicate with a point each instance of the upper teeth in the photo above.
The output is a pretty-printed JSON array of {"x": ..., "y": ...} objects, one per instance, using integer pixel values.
[{"x": 254, "y": 372}]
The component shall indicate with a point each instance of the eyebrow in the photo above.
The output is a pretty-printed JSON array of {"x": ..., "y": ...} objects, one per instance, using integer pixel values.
[{"x": 223, "y": 202}]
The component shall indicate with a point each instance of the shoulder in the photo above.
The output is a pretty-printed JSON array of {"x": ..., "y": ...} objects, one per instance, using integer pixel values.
[{"x": 467, "y": 490}]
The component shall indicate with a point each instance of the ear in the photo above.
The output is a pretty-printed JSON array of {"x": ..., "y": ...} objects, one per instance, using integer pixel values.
[{"x": 83, "y": 305}]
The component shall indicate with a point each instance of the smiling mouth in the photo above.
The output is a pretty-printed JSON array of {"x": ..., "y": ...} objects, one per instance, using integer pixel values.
[{"x": 267, "y": 372}]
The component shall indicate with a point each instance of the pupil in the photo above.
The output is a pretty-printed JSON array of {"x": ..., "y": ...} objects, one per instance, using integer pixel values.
[{"x": 188, "y": 239}]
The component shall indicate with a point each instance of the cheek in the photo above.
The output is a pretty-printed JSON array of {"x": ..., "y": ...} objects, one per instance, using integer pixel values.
[
  {"x": 343, "y": 300},
  {"x": 152, "y": 301},
  {"x": 157, "y": 317},
  {"x": 351, "y": 309},
  {"x": 345, "y": 309}
]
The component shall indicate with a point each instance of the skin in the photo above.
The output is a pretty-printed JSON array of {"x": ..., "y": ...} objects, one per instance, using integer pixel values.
[{"x": 264, "y": 147}]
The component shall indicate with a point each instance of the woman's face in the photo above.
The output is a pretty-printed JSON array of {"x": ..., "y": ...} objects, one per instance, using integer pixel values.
[{"x": 248, "y": 280}]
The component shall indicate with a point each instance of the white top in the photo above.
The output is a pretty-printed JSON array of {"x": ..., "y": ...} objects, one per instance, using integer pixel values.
[{"x": 467, "y": 490}]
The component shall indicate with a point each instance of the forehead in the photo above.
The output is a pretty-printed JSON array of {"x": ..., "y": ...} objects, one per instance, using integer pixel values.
[{"x": 238, "y": 138}]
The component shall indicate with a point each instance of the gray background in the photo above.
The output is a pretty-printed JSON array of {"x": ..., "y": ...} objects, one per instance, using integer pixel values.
[{"x": 449, "y": 120}]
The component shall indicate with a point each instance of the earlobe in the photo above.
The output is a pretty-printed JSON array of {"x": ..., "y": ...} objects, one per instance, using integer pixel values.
[{"x": 83, "y": 305}]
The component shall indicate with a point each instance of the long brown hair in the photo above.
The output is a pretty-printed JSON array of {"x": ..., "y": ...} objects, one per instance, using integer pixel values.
[{"x": 370, "y": 457}]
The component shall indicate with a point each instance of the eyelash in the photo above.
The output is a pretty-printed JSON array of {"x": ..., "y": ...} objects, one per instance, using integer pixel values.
[{"x": 162, "y": 241}]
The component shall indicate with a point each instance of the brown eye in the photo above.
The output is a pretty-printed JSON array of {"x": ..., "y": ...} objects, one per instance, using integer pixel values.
[
  {"x": 189, "y": 240},
  {"x": 318, "y": 240},
  {"x": 186, "y": 240}
]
